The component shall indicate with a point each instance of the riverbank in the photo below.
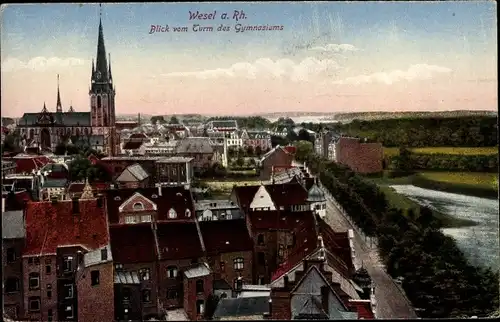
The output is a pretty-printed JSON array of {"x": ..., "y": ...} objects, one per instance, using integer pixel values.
[{"x": 477, "y": 184}]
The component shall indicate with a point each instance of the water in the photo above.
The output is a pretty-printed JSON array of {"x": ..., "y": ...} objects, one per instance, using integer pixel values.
[{"x": 479, "y": 243}]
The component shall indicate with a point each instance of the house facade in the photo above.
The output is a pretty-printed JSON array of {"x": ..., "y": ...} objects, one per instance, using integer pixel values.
[
  {"x": 360, "y": 156},
  {"x": 278, "y": 157}
]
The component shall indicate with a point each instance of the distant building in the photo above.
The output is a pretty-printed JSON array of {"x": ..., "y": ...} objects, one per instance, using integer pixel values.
[
  {"x": 175, "y": 171},
  {"x": 359, "y": 156},
  {"x": 134, "y": 176},
  {"x": 278, "y": 157},
  {"x": 200, "y": 149},
  {"x": 227, "y": 126},
  {"x": 53, "y": 189},
  {"x": 260, "y": 139},
  {"x": 207, "y": 210}
]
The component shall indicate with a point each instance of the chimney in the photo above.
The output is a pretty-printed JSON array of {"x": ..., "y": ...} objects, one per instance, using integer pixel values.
[
  {"x": 3, "y": 205},
  {"x": 270, "y": 308},
  {"x": 76, "y": 206},
  {"x": 324, "y": 298},
  {"x": 159, "y": 189},
  {"x": 286, "y": 281}
]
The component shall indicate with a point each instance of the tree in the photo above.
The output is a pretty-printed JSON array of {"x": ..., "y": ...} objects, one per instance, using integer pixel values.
[
  {"x": 303, "y": 150},
  {"x": 174, "y": 120},
  {"x": 305, "y": 136},
  {"x": 157, "y": 118},
  {"x": 258, "y": 151},
  {"x": 60, "y": 149},
  {"x": 11, "y": 143},
  {"x": 404, "y": 162},
  {"x": 241, "y": 152},
  {"x": 250, "y": 151},
  {"x": 240, "y": 161}
]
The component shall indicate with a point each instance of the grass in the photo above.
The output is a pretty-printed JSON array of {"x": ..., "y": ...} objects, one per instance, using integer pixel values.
[
  {"x": 446, "y": 150},
  {"x": 477, "y": 179},
  {"x": 220, "y": 185}
]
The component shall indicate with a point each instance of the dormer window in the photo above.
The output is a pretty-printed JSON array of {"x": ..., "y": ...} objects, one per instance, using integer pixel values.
[
  {"x": 188, "y": 213},
  {"x": 138, "y": 206},
  {"x": 117, "y": 198},
  {"x": 154, "y": 196},
  {"x": 172, "y": 213}
]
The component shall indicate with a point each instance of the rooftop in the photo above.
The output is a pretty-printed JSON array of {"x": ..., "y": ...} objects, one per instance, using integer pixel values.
[
  {"x": 243, "y": 306},
  {"x": 175, "y": 160}
]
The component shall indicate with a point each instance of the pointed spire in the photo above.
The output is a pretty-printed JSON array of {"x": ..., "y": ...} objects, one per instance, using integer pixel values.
[
  {"x": 101, "y": 64},
  {"x": 93, "y": 69},
  {"x": 71, "y": 110},
  {"x": 109, "y": 71},
  {"x": 58, "y": 105},
  {"x": 44, "y": 109},
  {"x": 87, "y": 190}
]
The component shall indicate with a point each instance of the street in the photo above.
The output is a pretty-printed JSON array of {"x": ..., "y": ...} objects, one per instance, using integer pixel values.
[{"x": 391, "y": 303}]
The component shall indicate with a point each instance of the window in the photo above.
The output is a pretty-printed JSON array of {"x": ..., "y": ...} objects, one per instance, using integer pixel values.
[
  {"x": 68, "y": 311},
  {"x": 261, "y": 258},
  {"x": 68, "y": 291},
  {"x": 200, "y": 307},
  {"x": 172, "y": 272},
  {"x": 318, "y": 207},
  {"x": 48, "y": 261},
  {"x": 238, "y": 263},
  {"x": 50, "y": 315},
  {"x": 146, "y": 218},
  {"x": 37, "y": 261},
  {"x": 261, "y": 280},
  {"x": 126, "y": 294},
  {"x": 172, "y": 214},
  {"x": 172, "y": 294},
  {"x": 11, "y": 255},
  {"x": 222, "y": 266},
  {"x": 118, "y": 267},
  {"x": 130, "y": 219},
  {"x": 146, "y": 296},
  {"x": 199, "y": 286},
  {"x": 104, "y": 254},
  {"x": 12, "y": 285},
  {"x": 34, "y": 304},
  {"x": 68, "y": 263},
  {"x": 30, "y": 261},
  {"x": 95, "y": 277},
  {"x": 281, "y": 250},
  {"x": 223, "y": 295},
  {"x": 188, "y": 213},
  {"x": 144, "y": 274},
  {"x": 138, "y": 206},
  {"x": 48, "y": 269},
  {"x": 260, "y": 240},
  {"x": 49, "y": 294},
  {"x": 34, "y": 281}
]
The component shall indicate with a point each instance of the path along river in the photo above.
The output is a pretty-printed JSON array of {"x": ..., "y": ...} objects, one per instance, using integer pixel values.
[{"x": 479, "y": 243}]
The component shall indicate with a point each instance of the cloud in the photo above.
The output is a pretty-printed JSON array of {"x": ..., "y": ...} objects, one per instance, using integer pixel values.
[
  {"x": 336, "y": 48},
  {"x": 40, "y": 63},
  {"x": 414, "y": 72},
  {"x": 267, "y": 68}
]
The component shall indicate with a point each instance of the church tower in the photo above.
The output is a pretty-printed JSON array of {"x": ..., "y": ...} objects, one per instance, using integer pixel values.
[
  {"x": 102, "y": 97},
  {"x": 58, "y": 104}
]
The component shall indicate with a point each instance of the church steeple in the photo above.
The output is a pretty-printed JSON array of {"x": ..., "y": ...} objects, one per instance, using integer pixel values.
[
  {"x": 71, "y": 110},
  {"x": 109, "y": 72},
  {"x": 101, "y": 72},
  {"x": 44, "y": 109},
  {"x": 58, "y": 105}
]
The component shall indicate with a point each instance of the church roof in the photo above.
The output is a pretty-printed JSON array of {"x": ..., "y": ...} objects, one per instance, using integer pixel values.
[
  {"x": 315, "y": 194},
  {"x": 64, "y": 118}
]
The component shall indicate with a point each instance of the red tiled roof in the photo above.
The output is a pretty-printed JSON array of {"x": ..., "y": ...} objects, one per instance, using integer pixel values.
[
  {"x": 245, "y": 194},
  {"x": 26, "y": 164},
  {"x": 77, "y": 187},
  {"x": 287, "y": 194},
  {"x": 132, "y": 145},
  {"x": 283, "y": 219},
  {"x": 225, "y": 236},
  {"x": 363, "y": 308},
  {"x": 338, "y": 245},
  {"x": 179, "y": 241},
  {"x": 177, "y": 198},
  {"x": 49, "y": 226},
  {"x": 133, "y": 243},
  {"x": 290, "y": 149}
]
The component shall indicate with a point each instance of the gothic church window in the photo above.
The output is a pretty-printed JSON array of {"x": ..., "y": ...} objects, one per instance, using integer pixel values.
[{"x": 98, "y": 101}]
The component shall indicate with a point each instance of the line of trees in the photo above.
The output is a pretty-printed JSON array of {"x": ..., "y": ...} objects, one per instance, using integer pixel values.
[
  {"x": 436, "y": 276},
  {"x": 407, "y": 161},
  {"x": 477, "y": 131}
]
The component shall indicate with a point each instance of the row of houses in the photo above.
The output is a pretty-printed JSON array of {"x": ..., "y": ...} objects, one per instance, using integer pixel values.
[{"x": 141, "y": 253}]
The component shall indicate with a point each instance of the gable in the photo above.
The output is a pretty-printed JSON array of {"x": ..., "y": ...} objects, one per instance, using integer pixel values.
[
  {"x": 262, "y": 199},
  {"x": 132, "y": 204},
  {"x": 126, "y": 176}
]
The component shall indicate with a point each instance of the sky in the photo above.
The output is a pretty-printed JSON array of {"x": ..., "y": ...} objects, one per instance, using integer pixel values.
[{"x": 330, "y": 57}]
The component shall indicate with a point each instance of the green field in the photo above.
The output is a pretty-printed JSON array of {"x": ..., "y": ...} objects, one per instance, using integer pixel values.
[
  {"x": 227, "y": 186},
  {"x": 477, "y": 179},
  {"x": 446, "y": 150}
]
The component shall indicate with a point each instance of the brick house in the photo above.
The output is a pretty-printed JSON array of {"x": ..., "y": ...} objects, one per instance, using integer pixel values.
[
  {"x": 197, "y": 288},
  {"x": 58, "y": 236},
  {"x": 229, "y": 249},
  {"x": 117, "y": 164},
  {"x": 277, "y": 157},
  {"x": 198, "y": 148},
  {"x": 313, "y": 296},
  {"x": 359, "y": 156},
  {"x": 13, "y": 235},
  {"x": 254, "y": 139}
]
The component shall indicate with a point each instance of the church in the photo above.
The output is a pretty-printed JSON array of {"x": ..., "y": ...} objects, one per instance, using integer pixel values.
[{"x": 96, "y": 128}]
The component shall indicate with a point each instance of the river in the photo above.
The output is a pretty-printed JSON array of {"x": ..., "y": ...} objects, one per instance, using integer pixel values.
[{"x": 479, "y": 243}]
